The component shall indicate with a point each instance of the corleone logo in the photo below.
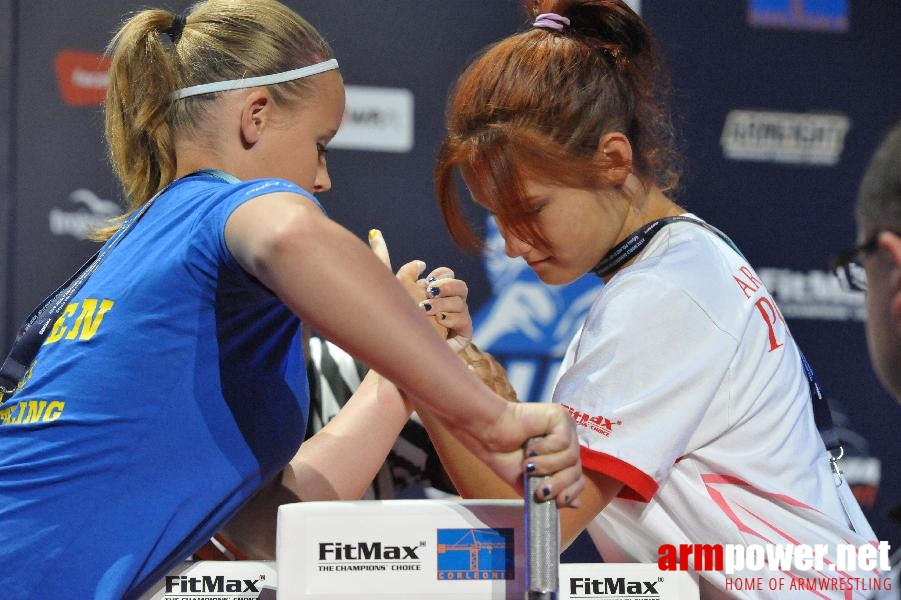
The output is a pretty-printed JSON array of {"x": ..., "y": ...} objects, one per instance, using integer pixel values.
[
  {"x": 82, "y": 77},
  {"x": 584, "y": 587},
  {"x": 475, "y": 554},
  {"x": 821, "y": 15},
  {"x": 368, "y": 556},
  {"x": 182, "y": 585},
  {"x": 808, "y": 138}
]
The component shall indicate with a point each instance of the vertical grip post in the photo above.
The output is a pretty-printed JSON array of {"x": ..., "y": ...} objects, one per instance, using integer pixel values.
[{"x": 542, "y": 543}]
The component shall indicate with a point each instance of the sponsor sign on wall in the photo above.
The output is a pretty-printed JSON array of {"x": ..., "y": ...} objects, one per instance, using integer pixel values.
[
  {"x": 376, "y": 119},
  {"x": 820, "y": 15},
  {"x": 783, "y": 137},
  {"x": 82, "y": 77}
]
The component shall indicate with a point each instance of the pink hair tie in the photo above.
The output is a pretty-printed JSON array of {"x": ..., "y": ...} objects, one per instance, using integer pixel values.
[{"x": 551, "y": 21}]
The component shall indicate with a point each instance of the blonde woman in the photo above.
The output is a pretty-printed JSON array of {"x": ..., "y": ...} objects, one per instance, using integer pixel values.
[{"x": 175, "y": 373}]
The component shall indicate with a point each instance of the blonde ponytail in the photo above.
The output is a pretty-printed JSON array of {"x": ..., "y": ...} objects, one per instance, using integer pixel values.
[
  {"x": 138, "y": 132},
  {"x": 218, "y": 40}
]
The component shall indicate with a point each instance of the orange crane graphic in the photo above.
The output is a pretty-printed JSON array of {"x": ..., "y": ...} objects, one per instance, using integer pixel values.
[{"x": 473, "y": 548}]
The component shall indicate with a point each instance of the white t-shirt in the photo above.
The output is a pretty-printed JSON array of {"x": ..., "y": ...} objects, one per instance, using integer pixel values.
[{"x": 687, "y": 386}]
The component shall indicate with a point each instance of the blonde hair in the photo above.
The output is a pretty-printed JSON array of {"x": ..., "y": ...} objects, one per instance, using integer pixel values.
[{"x": 220, "y": 40}]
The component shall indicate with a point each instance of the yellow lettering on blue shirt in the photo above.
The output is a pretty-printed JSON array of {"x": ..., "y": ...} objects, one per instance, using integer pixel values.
[
  {"x": 59, "y": 328},
  {"x": 32, "y": 411},
  {"x": 85, "y": 326},
  {"x": 27, "y": 375}
]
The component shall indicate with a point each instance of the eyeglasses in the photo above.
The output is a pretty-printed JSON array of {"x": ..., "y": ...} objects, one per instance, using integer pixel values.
[{"x": 848, "y": 268}]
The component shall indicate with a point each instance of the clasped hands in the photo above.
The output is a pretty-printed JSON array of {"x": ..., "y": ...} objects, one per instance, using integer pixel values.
[{"x": 554, "y": 452}]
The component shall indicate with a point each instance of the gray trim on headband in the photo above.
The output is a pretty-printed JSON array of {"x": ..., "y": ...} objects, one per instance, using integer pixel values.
[{"x": 236, "y": 84}]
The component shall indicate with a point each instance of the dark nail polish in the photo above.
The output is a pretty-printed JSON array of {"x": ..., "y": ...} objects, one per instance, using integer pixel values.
[
  {"x": 443, "y": 316},
  {"x": 546, "y": 491},
  {"x": 530, "y": 468},
  {"x": 426, "y": 306},
  {"x": 532, "y": 453},
  {"x": 566, "y": 499},
  {"x": 434, "y": 291},
  {"x": 431, "y": 279}
]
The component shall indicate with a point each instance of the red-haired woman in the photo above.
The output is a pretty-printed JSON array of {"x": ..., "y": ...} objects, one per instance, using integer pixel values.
[{"x": 693, "y": 406}]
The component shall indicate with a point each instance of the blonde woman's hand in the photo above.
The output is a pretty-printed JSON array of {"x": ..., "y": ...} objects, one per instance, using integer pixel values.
[{"x": 408, "y": 276}]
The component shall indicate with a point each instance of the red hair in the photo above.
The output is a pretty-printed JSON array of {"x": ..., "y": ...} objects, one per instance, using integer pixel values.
[{"x": 536, "y": 104}]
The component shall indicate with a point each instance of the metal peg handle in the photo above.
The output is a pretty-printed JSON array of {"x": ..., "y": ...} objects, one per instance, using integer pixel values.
[{"x": 542, "y": 543}]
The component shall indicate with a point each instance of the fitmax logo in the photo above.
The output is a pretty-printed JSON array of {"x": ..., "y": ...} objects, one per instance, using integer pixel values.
[
  {"x": 611, "y": 586},
  {"x": 180, "y": 584},
  {"x": 365, "y": 551}
]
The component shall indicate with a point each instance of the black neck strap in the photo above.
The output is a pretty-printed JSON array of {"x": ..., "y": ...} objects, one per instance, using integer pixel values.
[
  {"x": 40, "y": 322},
  {"x": 636, "y": 241},
  {"x": 630, "y": 247}
]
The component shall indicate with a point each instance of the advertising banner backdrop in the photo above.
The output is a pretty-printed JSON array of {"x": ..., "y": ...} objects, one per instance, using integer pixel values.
[{"x": 779, "y": 105}]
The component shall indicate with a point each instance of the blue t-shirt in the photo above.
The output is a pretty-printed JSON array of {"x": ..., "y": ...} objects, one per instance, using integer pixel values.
[{"x": 169, "y": 390}]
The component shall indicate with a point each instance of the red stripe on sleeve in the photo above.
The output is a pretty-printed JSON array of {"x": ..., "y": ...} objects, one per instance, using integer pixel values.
[{"x": 638, "y": 485}]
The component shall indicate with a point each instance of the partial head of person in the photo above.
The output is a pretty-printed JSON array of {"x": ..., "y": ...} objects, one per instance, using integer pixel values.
[
  {"x": 245, "y": 86},
  {"x": 563, "y": 133},
  {"x": 874, "y": 264}
]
